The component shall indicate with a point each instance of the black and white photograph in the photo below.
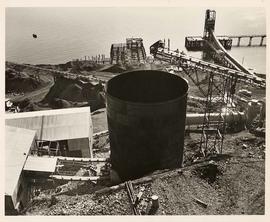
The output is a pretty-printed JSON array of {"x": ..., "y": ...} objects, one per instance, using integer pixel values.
[{"x": 145, "y": 111}]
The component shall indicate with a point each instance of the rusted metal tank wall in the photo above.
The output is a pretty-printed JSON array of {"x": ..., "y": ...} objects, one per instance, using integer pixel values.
[{"x": 146, "y": 113}]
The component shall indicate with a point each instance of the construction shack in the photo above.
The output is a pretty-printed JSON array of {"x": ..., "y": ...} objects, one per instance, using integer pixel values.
[
  {"x": 18, "y": 144},
  {"x": 61, "y": 132}
]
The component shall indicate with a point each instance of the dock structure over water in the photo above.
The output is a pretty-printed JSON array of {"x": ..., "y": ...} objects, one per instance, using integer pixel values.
[
  {"x": 250, "y": 37},
  {"x": 130, "y": 52},
  {"x": 197, "y": 43}
]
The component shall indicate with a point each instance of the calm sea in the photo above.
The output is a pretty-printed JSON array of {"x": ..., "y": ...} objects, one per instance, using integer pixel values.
[{"x": 70, "y": 33}]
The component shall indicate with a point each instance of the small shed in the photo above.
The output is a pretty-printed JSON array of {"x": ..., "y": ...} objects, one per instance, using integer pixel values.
[{"x": 18, "y": 143}]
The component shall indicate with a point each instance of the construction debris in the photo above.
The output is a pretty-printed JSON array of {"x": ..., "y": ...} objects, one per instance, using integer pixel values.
[
  {"x": 131, "y": 196},
  {"x": 154, "y": 205},
  {"x": 200, "y": 202},
  {"x": 139, "y": 196}
]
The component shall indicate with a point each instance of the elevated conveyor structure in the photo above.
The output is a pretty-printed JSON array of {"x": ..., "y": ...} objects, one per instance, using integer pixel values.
[
  {"x": 221, "y": 84},
  {"x": 219, "y": 54},
  {"x": 221, "y": 78},
  {"x": 215, "y": 49},
  {"x": 189, "y": 63}
]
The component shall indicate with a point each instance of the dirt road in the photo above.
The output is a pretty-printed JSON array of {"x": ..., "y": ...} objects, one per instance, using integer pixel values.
[{"x": 37, "y": 95}]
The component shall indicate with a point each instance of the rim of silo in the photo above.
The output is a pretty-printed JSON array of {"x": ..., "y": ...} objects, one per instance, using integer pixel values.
[{"x": 150, "y": 103}]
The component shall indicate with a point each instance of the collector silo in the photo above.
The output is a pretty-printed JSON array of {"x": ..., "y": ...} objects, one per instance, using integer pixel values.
[{"x": 146, "y": 112}]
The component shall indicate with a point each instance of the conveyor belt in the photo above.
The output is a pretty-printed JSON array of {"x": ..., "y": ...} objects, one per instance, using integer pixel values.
[{"x": 175, "y": 58}]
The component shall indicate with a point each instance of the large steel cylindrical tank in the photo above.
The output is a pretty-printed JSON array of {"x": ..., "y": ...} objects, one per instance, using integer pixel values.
[{"x": 146, "y": 112}]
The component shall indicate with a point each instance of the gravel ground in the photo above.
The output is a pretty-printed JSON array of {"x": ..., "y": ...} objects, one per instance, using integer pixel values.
[{"x": 237, "y": 187}]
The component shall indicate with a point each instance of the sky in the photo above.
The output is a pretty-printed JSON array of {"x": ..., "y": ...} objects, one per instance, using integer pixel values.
[{"x": 67, "y": 33}]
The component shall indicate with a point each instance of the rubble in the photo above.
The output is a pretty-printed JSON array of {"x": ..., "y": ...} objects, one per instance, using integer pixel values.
[{"x": 181, "y": 191}]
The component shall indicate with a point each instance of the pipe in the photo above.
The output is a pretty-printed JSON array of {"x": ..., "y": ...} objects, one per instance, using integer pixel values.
[{"x": 198, "y": 118}]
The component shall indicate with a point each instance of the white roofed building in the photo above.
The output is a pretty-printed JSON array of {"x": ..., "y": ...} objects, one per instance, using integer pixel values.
[
  {"x": 33, "y": 140},
  {"x": 72, "y": 129}
]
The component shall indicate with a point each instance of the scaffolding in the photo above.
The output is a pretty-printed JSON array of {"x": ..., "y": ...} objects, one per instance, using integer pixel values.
[
  {"x": 219, "y": 99},
  {"x": 131, "y": 52}
]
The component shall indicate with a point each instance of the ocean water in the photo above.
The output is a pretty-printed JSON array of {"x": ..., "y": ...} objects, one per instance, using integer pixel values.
[
  {"x": 253, "y": 58},
  {"x": 72, "y": 33}
]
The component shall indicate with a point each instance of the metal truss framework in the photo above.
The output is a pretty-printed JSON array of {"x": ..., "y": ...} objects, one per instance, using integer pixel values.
[
  {"x": 219, "y": 92},
  {"x": 219, "y": 99}
]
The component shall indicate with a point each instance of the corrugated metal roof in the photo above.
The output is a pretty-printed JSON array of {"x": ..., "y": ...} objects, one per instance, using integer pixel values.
[
  {"x": 117, "y": 45},
  {"x": 41, "y": 164},
  {"x": 55, "y": 124},
  {"x": 17, "y": 145}
]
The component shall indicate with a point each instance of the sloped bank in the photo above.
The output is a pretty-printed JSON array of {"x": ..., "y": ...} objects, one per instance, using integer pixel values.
[{"x": 72, "y": 93}]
